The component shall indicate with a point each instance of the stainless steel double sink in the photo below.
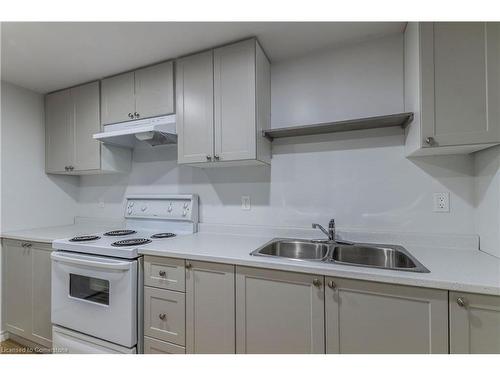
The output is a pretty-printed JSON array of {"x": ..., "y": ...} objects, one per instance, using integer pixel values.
[{"x": 392, "y": 257}]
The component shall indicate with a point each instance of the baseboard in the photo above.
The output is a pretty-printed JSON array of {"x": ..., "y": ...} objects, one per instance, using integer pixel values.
[{"x": 4, "y": 335}]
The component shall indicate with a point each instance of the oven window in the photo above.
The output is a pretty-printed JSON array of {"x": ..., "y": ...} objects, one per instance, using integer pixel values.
[{"x": 89, "y": 289}]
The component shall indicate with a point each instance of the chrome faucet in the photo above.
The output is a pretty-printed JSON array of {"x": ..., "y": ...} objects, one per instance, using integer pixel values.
[{"x": 330, "y": 233}]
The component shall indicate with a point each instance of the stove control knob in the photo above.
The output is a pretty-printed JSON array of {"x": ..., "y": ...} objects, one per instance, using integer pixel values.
[
  {"x": 129, "y": 211},
  {"x": 144, "y": 208},
  {"x": 131, "y": 204},
  {"x": 186, "y": 205},
  {"x": 169, "y": 209},
  {"x": 184, "y": 213}
]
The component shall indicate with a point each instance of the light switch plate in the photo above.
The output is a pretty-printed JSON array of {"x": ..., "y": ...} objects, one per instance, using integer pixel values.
[{"x": 441, "y": 202}]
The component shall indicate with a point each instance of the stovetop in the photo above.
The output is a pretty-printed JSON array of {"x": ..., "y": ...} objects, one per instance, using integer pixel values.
[
  {"x": 124, "y": 246},
  {"x": 148, "y": 220}
]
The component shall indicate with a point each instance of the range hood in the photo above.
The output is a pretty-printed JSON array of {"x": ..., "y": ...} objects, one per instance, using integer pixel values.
[{"x": 155, "y": 131}]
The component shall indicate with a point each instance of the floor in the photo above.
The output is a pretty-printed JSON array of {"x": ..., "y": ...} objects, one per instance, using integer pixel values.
[{"x": 12, "y": 347}]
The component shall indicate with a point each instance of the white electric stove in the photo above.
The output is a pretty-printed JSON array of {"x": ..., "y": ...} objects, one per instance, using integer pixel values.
[{"x": 97, "y": 278}]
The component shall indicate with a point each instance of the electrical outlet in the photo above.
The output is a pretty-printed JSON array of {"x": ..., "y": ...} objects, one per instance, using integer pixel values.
[
  {"x": 245, "y": 202},
  {"x": 441, "y": 202}
]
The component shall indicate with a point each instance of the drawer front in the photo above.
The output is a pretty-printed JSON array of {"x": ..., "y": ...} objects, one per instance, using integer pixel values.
[
  {"x": 154, "y": 346},
  {"x": 165, "y": 315},
  {"x": 165, "y": 273}
]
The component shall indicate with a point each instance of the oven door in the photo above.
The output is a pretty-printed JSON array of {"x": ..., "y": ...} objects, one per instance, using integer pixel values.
[{"x": 96, "y": 296}]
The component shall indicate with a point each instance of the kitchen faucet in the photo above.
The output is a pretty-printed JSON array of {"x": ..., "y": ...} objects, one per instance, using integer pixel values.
[{"x": 331, "y": 229}]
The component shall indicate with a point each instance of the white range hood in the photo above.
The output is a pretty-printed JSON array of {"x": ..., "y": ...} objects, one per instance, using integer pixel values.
[{"x": 155, "y": 131}]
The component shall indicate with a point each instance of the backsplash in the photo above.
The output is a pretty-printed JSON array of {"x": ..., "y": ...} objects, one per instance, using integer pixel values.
[{"x": 364, "y": 182}]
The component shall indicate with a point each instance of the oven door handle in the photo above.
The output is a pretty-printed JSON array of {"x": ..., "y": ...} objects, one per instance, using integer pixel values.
[{"x": 110, "y": 264}]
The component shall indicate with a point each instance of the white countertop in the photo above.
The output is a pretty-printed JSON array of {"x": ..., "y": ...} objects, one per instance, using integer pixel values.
[
  {"x": 81, "y": 226},
  {"x": 451, "y": 268},
  {"x": 454, "y": 261}
]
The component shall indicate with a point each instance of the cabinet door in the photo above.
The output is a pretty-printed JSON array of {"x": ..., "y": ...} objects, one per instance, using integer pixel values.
[
  {"x": 117, "y": 98},
  {"x": 456, "y": 85},
  {"x": 210, "y": 308},
  {"x": 87, "y": 154},
  {"x": 279, "y": 312},
  {"x": 165, "y": 315},
  {"x": 154, "y": 90},
  {"x": 364, "y": 317},
  {"x": 59, "y": 134},
  {"x": 40, "y": 306},
  {"x": 18, "y": 289},
  {"x": 474, "y": 323},
  {"x": 195, "y": 108},
  {"x": 234, "y": 96}
]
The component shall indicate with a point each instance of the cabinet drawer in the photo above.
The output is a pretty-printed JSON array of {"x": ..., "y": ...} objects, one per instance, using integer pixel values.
[
  {"x": 154, "y": 346},
  {"x": 165, "y": 273},
  {"x": 165, "y": 315}
]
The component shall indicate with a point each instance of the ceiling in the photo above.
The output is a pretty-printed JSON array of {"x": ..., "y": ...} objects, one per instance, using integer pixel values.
[{"x": 46, "y": 56}]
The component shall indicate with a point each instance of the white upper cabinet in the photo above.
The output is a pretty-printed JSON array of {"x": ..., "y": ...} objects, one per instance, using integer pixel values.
[
  {"x": 72, "y": 116},
  {"x": 234, "y": 99},
  {"x": 146, "y": 92},
  {"x": 59, "y": 139},
  {"x": 118, "y": 98},
  {"x": 223, "y": 99},
  {"x": 452, "y": 84},
  {"x": 154, "y": 90},
  {"x": 195, "y": 108},
  {"x": 86, "y": 112}
]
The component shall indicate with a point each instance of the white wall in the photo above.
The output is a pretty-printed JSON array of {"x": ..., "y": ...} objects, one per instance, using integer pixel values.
[
  {"x": 360, "y": 80},
  {"x": 30, "y": 198},
  {"x": 487, "y": 199},
  {"x": 360, "y": 178}
]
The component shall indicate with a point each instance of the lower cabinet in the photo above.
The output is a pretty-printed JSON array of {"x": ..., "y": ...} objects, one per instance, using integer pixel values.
[
  {"x": 188, "y": 307},
  {"x": 27, "y": 290},
  {"x": 279, "y": 312},
  {"x": 222, "y": 308},
  {"x": 164, "y": 315},
  {"x": 154, "y": 346},
  {"x": 210, "y": 321},
  {"x": 474, "y": 323},
  {"x": 368, "y": 317}
]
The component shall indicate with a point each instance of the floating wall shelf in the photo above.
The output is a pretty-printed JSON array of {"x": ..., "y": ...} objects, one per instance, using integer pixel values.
[{"x": 397, "y": 119}]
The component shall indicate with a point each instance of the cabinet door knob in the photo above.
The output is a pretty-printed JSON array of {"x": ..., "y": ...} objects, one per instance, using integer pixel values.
[
  {"x": 188, "y": 265},
  {"x": 430, "y": 141},
  {"x": 461, "y": 302},
  {"x": 332, "y": 285},
  {"x": 217, "y": 157},
  {"x": 137, "y": 115},
  {"x": 162, "y": 316},
  {"x": 209, "y": 158},
  {"x": 66, "y": 168},
  {"x": 317, "y": 283},
  {"x": 71, "y": 168},
  {"x": 162, "y": 273},
  {"x": 130, "y": 115}
]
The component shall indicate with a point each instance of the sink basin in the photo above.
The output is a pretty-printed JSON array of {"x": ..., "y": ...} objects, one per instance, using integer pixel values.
[
  {"x": 364, "y": 255},
  {"x": 379, "y": 256},
  {"x": 294, "y": 249}
]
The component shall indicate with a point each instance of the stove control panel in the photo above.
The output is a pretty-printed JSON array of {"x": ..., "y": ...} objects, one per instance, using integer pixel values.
[{"x": 164, "y": 207}]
